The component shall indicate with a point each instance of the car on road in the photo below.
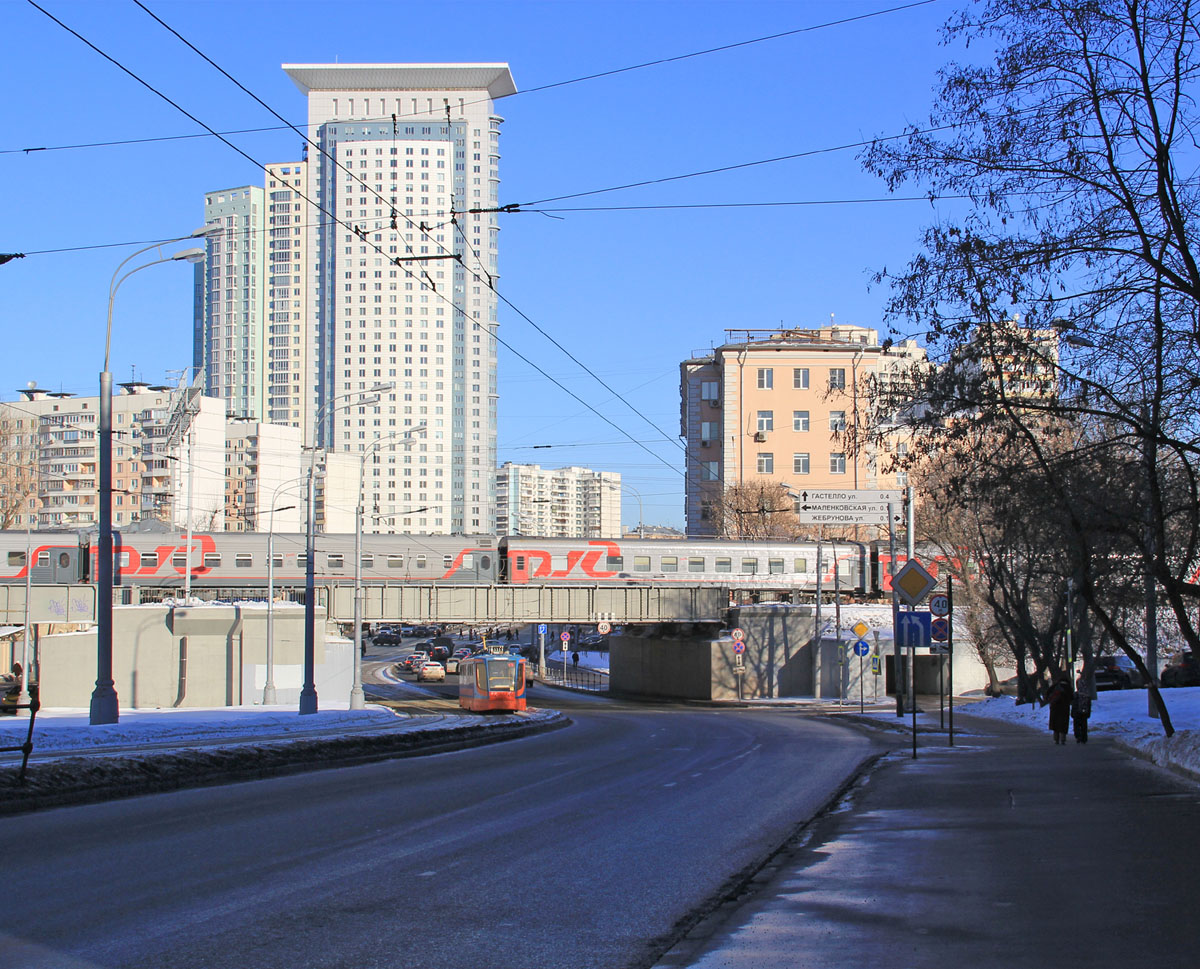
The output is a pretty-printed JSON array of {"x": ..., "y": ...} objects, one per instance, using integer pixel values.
[
  {"x": 386, "y": 637},
  {"x": 431, "y": 671},
  {"x": 451, "y": 664},
  {"x": 412, "y": 661},
  {"x": 1184, "y": 671},
  {"x": 1116, "y": 673}
]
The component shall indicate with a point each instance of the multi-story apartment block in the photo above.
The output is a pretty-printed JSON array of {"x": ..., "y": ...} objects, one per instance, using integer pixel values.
[
  {"x": 557, "y": 503},
  {"x": 401, "y": 260},
  {"x": 264, "y": 471},
  {"x": 777, "y": 406},
  {"x": 160, "y": 438},
  {"x": 250, "y": 336}
]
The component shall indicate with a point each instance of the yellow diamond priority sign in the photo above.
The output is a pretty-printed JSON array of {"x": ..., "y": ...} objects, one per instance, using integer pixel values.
[
  {"x": 860, "y": 629},
  {"x": 913, "y": 582}
]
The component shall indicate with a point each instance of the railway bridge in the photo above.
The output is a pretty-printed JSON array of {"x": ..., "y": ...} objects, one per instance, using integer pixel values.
[{"x": 418, "y": 602}]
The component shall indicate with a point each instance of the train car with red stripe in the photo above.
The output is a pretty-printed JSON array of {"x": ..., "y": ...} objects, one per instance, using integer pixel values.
[
  {"x": 763, "y": 565},
  {"x": 492, "y": 682},
  {"x": 233, "y": 560}
]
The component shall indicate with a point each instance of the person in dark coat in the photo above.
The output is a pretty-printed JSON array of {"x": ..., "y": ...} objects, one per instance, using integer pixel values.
[
  {"x": 1081, "y": 710},
  {"x": 1059, "y": 700}
]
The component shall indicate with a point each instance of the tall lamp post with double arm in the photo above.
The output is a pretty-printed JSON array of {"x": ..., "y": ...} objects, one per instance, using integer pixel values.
[
  {"x": 308, "y": 692},
  {"x": 405, "y": 438},
  {"x": 104, "y": 707}
]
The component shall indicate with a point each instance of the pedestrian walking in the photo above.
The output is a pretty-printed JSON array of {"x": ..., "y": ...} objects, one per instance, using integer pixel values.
[
  {"x": 575, "y": 659},
  {"x": 1081, "y": 709},
  {"x": 1059, "y": 701}
]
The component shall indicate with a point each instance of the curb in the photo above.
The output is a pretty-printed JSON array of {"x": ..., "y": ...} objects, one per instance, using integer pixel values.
[{"x": 98, "y": 777}]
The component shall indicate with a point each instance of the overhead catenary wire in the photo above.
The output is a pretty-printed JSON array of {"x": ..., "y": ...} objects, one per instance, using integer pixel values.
[{"x": 552, "y": 85}]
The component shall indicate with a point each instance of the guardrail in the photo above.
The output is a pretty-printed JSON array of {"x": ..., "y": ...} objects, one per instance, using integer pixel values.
[{"x": 572, "y": 677}]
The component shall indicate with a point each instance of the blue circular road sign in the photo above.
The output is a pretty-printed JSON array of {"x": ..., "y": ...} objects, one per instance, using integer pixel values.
[{"x": 861, "y": 648}]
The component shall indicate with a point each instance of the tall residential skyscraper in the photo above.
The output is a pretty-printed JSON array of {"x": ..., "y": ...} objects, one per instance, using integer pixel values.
[
  {"x": 251, "y": 337},
  {"x": 399, "y": 282}
]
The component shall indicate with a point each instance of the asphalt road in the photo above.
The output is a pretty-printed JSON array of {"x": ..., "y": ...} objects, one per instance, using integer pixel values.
[{"x": 585, "y": 847}]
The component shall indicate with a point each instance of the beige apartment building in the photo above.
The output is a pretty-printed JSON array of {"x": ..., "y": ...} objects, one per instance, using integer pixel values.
[
  {"x": 165, "y": 441},
  {"x": 782, "y": 406}
]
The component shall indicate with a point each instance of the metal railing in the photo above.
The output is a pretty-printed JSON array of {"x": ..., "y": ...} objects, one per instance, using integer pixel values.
[{"x": 572, "y": 677}]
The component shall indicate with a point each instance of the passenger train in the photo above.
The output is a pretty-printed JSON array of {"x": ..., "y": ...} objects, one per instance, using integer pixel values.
[{"x": 238, "y": 560}]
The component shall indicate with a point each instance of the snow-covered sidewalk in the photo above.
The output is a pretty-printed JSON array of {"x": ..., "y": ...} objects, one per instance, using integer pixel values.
[{"x": 1122, "y": 714}]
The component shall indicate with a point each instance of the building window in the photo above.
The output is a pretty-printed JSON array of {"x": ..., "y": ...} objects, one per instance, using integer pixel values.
[
  {"x": 799, "y": 420},
  {"x": 837, "y": 463},
  {"x": 766, "y": 420},
  {"x": 800, "y": 378},
  {"x": 766, "y": 462},
  {"x": 837, "y": 421},
  {"x": 709, "y": 390},
  {"x": 837, "y": 378},
  {"x": 709, "y": 470},
  {"x": 800, "y": 463},
  {"x": 766, "y": 378},
  {"x": 709, "y": 430}
]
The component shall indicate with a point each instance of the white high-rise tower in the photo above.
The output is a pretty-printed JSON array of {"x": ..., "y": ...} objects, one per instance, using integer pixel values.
[{"x": 407, "y": 150}]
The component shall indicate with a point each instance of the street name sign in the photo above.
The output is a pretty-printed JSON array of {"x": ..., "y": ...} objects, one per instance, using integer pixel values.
[
  {"x": 852, "y": 506},
  {"x": 850, "y": 496}
]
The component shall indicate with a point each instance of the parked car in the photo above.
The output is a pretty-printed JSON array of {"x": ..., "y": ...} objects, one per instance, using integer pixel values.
[
  {"x": 431, "y": 671},
  {"x": 1184, "y": 671},
  {"x": 1117, "y": 673}
]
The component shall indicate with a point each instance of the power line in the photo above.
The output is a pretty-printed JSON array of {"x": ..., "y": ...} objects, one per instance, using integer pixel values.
[{"x": 532, "y": 90}]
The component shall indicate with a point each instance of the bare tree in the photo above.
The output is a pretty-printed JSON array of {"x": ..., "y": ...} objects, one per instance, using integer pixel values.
[
  {"x": 755, "y": 510},
  {"x": 1075, "y": 148}
]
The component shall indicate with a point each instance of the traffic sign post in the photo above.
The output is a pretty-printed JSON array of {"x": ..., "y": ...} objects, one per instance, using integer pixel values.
[
  {"x": 604, "y": 628},
  {"x": 913, "y": 583},
  {"x": 566, "y": 638}
]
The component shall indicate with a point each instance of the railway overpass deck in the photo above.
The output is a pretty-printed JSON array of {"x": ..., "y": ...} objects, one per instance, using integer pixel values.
[{"x": 422, "y": 603}]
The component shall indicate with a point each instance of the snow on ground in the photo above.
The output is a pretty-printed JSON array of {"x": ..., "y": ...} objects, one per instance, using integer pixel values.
[
  {"x": 1122, "y": 714},
  {"x": 69, "y": 729}
]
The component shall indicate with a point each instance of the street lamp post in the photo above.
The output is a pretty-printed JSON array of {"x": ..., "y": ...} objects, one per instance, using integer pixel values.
[
  {"x": 357, "y": 699},
  {"x": 104, "y": 707},
  {"x": 308, "y": 693}
]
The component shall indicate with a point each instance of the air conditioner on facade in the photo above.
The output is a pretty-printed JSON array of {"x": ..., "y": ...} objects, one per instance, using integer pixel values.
[
  {"x": 714, "y": 403},
  {"x": 760, "y": 436},
  {"x": 705, "y": 443}
]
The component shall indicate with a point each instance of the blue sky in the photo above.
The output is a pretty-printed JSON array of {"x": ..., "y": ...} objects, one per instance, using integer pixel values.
[{"x": 630, "y": 293}]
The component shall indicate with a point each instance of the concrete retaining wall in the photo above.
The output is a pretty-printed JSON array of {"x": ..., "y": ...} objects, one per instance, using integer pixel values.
[{"x": 207, "y": 656}]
